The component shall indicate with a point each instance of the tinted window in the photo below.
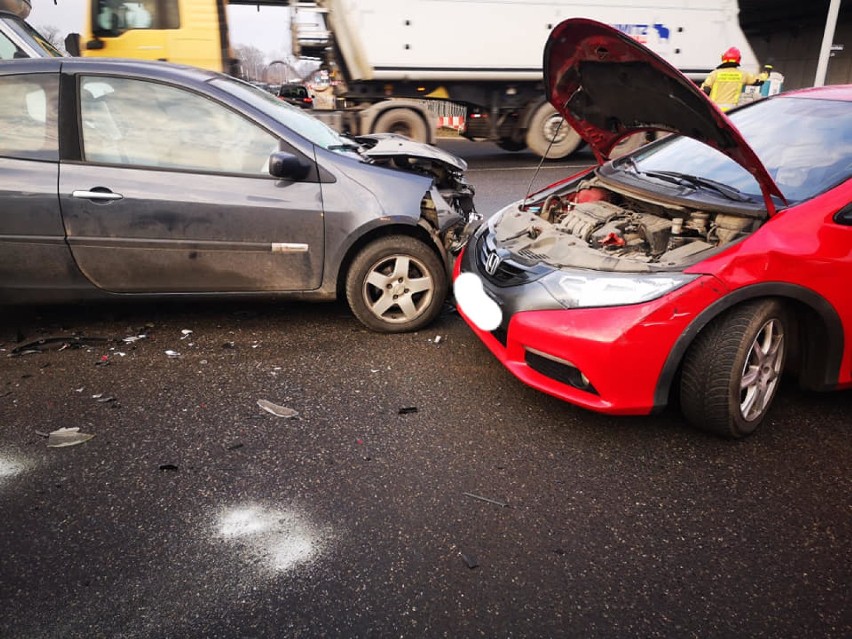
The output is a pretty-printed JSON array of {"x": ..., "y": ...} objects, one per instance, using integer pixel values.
[
  {"x": 113, "y": 17},
  {"x": 28, "y": 116},
  {"x": 133, "y": 122},
  {"x": 805, "y": 145}
]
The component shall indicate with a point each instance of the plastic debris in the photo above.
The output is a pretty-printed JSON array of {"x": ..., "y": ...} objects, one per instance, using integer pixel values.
[
  {"x": 172, "y": 354},
  {"x": 470, "y": 560},
  {"x": 40, "y": 345},
  {"x": 63, "y": 437},
  {"x": 275, "y": 409},
  {"x": 133, "y": 338},
  {"x": 502, "y": 504},
  {"x": 407, "y": 410},
  {"x": 169, "y": 467},
  {"x": 438, "y": 339},
  {"x": 185, "y": 333}
]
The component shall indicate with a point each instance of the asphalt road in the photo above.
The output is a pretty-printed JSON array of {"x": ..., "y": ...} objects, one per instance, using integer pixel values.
[{"x": 421, "y": 491}]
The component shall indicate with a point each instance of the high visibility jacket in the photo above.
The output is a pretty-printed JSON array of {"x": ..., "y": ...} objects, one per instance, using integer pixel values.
[{"x": 726, "y": 85}]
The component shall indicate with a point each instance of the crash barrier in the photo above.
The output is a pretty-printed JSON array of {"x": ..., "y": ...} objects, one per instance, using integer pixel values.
[{"x": 448, "y": 115}]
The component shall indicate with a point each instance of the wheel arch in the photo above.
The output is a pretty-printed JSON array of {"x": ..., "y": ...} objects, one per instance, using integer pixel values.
[
  {"x": 418, "y": 231},
  {"x": 817, "y": 326}
]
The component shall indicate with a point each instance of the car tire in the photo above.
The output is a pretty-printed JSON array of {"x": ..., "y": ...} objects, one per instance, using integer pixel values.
[
  {"x": 544, "y": 126},
  {"x": 396, "y": 284},
  {"x": 733, "y": 369},
  {"x": 403, "y": 122}
]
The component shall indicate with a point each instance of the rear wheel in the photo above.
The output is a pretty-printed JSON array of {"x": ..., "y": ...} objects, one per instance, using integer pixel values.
[
  {"x": 732, "y": 371},
  {"x": 547, "y": 125},
  {"x": 403, "y": 122},
  {"x": 396, "y": 284}
]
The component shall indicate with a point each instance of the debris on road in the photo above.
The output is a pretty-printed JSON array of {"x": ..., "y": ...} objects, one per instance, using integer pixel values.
[
  {"x": 470, "y": 560},
  {"x": 63, "y": 437},
  {"x": 134, "y": 338},
  {"x": 407, "y": 410},
  {"x": 63, "y": 342},
  {"x": 185, "y": 333},
  {"x": 502, "y": 504},
  {"x": 168, "y": 467},
  {"x": 172, "y": 354},
  {"x": 275, "y": 409}
]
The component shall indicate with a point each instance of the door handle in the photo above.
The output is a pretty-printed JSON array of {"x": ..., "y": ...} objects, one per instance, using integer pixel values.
[{"x": 97, "y": 195}]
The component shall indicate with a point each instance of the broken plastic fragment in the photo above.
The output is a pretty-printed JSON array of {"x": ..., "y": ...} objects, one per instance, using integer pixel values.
[
  {"x": 470, "y": 560},
  {"x": 405, "y": 410},
  {"x": 172, "y": 354},
  {"x": 186, "y": 333},
  {"x": 438, "y": 339},
  {"x": 66, "y": 437},
  {"x": 275, "y": 409},
  {"x": 170, "y": 467}
]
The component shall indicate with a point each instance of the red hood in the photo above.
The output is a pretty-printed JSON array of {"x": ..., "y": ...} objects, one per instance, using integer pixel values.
[{"x": 607, "y": 85}]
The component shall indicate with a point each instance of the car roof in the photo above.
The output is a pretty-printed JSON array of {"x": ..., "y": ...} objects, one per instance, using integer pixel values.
[
  {"x": 841, "y": 92},
  {"x": 149, "y": 68}
]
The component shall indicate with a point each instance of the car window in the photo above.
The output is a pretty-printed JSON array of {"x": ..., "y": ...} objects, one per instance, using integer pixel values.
[
  {"x": 28, "y": 116},
  {"x": 804, "y": 160},
  {"x": 25, "y": 33},
  {"x": 135, "y": 122},
  {"x": 290, "y": 116},
  {"x": 114, "y": 17}
]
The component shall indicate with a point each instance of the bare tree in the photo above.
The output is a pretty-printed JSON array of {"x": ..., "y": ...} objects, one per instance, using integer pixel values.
[
  {"x": 54, "y": 36},
  {"x": 252, "y": 61}
]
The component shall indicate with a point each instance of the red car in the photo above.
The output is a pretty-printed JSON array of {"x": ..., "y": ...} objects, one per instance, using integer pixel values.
[{"x": 703, "y": 264}]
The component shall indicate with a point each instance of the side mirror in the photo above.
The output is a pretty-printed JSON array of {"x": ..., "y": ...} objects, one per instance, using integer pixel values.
[
  {"x": 844, "y": 216},
  {"x": 94, "y": 45},
  {"x": 72, "y": 44},
  {"x": 287, "y": 166}
]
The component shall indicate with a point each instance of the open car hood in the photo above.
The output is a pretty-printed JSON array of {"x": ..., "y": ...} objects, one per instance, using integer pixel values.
[{"x": 606, "y": 85}]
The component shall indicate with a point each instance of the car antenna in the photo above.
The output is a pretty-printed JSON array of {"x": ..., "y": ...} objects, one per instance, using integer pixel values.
[{"x": 541, "y": 162}]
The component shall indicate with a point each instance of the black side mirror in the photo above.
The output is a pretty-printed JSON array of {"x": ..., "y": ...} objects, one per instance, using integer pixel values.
[
  {"x": 844, "y": 216},
  {"x": 72, "y": 44},
  {"x": 94, "y": 45},
  {"x": 287, "y": 166}
]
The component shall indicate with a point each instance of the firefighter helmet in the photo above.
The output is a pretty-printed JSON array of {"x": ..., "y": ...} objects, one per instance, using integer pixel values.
[{"x": 732, "y": 55}]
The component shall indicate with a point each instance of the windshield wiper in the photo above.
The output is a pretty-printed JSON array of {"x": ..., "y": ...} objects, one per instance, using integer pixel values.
[{"x": 685, "y": 179}]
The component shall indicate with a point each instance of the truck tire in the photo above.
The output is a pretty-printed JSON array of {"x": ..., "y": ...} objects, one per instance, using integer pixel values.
[
  {"x": 396, "y": 284},
  {"x": 546, "y": 125},
  {"x": 403, "y": 122}
]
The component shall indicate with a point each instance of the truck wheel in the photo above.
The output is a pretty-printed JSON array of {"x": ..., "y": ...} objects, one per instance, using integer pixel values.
[
  {"x": 404, "y": 122},
  {"x": 732, "y": 371},
  {"x": 544, "y": 127},
  {"x": 508, "y": 144},
  {"x": 396, "y": 284}
]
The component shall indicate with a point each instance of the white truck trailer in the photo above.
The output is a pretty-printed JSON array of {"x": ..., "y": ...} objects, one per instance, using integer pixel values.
[{"x": 382, "y": 55}]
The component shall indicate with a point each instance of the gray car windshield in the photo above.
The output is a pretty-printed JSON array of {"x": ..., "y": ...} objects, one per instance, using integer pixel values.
[
  {"x": 805, "y": 159},
  {"x": 290, "y": 116}
]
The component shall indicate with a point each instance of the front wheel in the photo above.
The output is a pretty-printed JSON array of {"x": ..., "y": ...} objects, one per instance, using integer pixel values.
[
  {"x": 732, "y": 371},
  {"x": 396, "y": 284}
]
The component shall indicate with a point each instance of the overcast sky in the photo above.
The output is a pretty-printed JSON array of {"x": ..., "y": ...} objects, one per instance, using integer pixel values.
[{"x": 268, "y": 28}]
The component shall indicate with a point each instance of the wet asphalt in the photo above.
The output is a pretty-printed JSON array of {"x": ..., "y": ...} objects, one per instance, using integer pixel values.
[{"x": 420, "y": 491}]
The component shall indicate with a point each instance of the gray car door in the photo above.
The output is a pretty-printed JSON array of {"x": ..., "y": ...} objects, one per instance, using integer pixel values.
[
  {"x": 173, "y": 194},
  {"x": 33, "y": 253}
]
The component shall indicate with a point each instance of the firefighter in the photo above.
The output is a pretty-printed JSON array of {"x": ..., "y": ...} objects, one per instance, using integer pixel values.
[{"x": 725, "y": 83}]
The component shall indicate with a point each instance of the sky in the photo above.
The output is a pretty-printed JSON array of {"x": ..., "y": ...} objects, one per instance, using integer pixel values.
[{"x": 267, "y": 28}]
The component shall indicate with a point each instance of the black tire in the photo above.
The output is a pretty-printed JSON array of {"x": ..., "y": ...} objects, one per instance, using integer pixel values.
[
  {"x": 732, "y": 371},
  {"x": 404, "y": 122},
  {"x": 544, "y": 126},
  {"x": 508, "y": 144},
  {"x": 396, "y": 284}
]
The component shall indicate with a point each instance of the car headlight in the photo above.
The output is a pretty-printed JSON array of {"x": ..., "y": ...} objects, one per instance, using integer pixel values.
[{"x": 579, "y": 290}]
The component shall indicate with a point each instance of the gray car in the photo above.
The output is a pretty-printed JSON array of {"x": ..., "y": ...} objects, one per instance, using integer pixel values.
[{"x": 139, "y": 179}]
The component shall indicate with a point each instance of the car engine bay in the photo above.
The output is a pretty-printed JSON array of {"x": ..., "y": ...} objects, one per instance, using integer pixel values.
[{"x": 595, "y": 226}]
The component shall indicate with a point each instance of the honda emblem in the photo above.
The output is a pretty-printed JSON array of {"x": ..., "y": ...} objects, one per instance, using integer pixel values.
[{"x": 492, "y": 263}]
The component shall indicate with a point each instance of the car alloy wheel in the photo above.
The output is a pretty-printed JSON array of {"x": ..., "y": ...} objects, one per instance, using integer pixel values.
[
  {"x": 731, "y": 373},
  {"x": 396, "y": 284}
]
